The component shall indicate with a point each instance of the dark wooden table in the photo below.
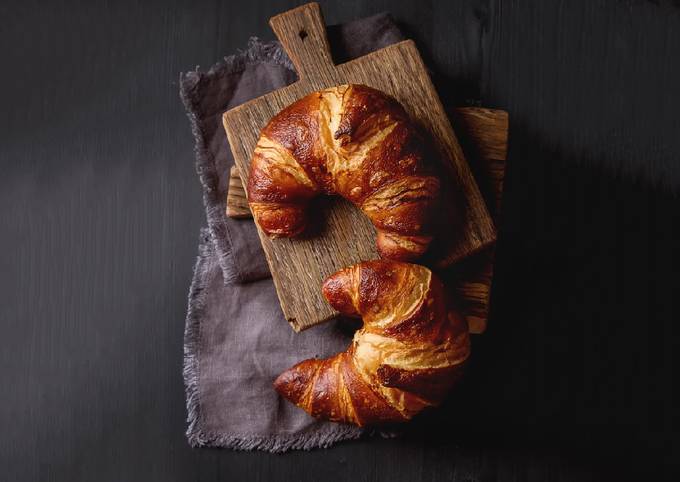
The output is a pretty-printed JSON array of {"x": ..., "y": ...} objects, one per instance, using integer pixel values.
[{"x": 576, "y": 379}]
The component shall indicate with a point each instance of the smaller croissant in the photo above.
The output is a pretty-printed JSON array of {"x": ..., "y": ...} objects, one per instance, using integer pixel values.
[
  {"x": 406, "y": 357},
  {"x": 356, "y": 142}
]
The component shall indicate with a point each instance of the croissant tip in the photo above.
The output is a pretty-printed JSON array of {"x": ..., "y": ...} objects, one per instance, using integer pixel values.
[
  {"x": 337, "y": 290},
  {"x": 293, "y": 383},
  {"x": 279, "y": 220}
]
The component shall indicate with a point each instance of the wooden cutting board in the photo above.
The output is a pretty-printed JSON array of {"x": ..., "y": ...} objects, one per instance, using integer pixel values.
[
  {"x": 484, "y": 135},
  {"x": 300, "y": 265}
]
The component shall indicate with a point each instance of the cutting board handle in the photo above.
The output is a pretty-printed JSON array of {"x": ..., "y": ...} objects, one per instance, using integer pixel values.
[{"x": 302, "y": 32}]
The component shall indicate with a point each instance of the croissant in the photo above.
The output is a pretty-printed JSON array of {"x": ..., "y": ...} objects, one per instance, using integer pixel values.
[
  {"x": 408, "y": 354},
  {"x": 353, "y": 141}
]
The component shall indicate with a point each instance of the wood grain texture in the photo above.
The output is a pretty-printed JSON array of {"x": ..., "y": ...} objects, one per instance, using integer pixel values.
[
  {"x": 346, "y": 237},
  {"x": 237, "y": 201},
  {"x": 485, "y": 134}
]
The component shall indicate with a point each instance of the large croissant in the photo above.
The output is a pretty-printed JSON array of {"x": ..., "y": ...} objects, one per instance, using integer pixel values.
[
  {"x": 406, "y": 357},
  {"x": 354, "y": 141}
]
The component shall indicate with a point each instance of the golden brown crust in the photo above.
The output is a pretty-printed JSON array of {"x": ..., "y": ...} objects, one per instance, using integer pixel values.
[
  {"x": 409, "y": 353},
  {"x": 353, "y": 141}
]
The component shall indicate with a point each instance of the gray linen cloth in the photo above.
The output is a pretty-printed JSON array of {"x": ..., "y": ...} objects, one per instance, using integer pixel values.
[{"x": 236, "y": 339}]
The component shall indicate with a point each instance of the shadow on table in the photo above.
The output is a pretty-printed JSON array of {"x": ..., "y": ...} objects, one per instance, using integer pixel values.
[{"x": 577, "y": 361}]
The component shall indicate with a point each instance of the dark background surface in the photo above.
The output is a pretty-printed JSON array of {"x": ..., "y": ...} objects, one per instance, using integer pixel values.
[{"x": 101, "y": 209}]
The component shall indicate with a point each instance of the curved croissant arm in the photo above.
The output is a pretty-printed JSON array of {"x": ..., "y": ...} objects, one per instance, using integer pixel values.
[
  {"x": 354, "y": 141},
  {"x": 408, "y": 354}
]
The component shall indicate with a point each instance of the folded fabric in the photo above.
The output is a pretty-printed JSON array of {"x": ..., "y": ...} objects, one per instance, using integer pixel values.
[
  {"x": 236, "y": 339},
  {"x": 261, "y": 68}
]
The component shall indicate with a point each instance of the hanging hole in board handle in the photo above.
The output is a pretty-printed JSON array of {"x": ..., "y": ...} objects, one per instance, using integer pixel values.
[{"x": 302, "y": 33}]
